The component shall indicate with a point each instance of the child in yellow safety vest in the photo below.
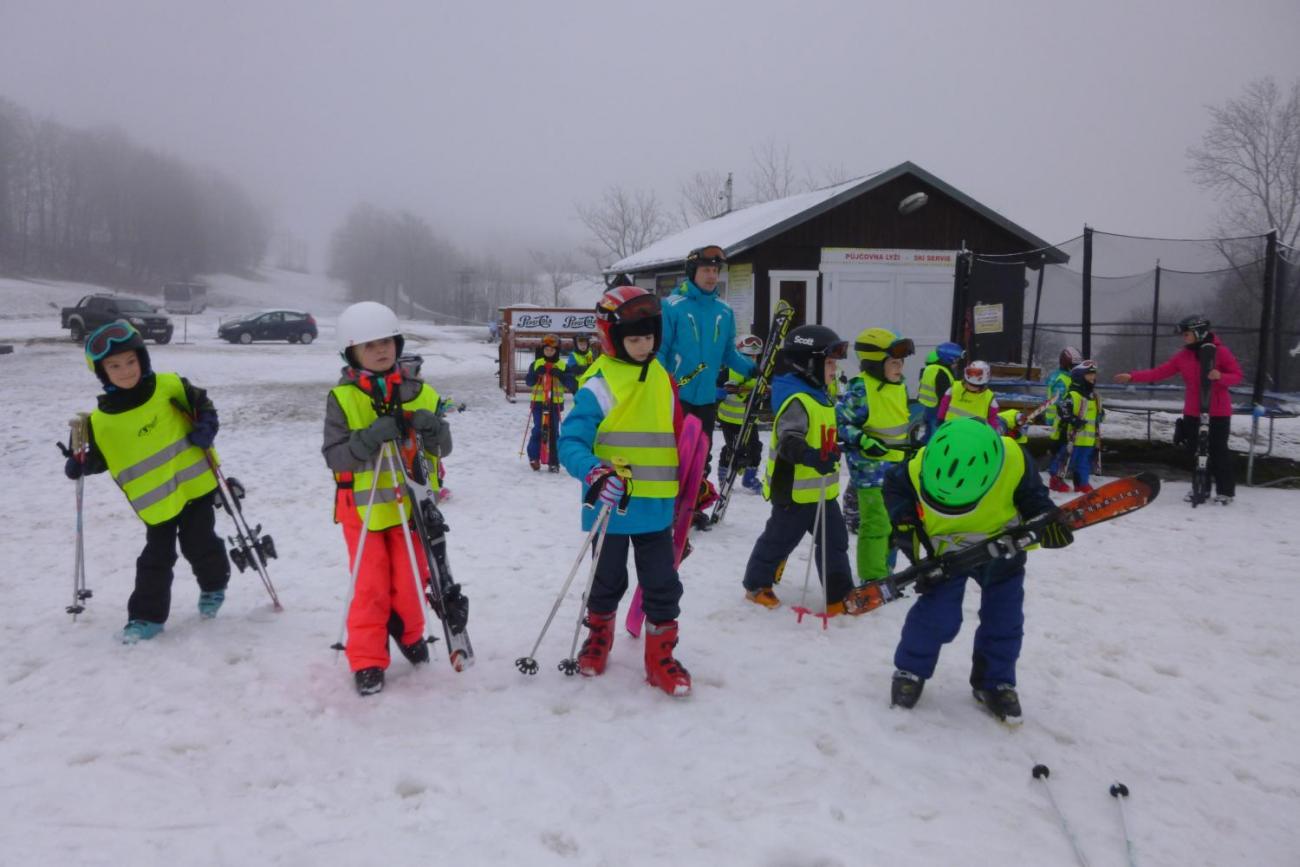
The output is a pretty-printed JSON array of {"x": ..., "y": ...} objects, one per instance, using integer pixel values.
[
  {"x": 548, "y": 377},
  {"x": 362, "y": 435},
  {"x": 142, "y": 433},
  {"x": 733, "y": 396},
  {"x": 971, "y": 397},
  {"x": 1078, "y": 430},
  {"x": 626, "y": 414},
  {"x": 803, "y": 471}
]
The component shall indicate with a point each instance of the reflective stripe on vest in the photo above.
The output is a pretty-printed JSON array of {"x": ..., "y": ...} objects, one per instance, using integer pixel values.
[
  {"x": 732, "y": 408},
  {"x": 539, "y": 387},
  {"x": 968, "y": 404},
  {"x": 638, "y": 424},
  {"x": 359, "y": 410},
  {"x": 927, "y": 393},
  {"x": 806, "y": 483},
  {"x": 994, "y": 512},
  {"x": 1086, "y": 409},
  {"x": 149, "y": 455},
  {"x": 887, "y": 416}
]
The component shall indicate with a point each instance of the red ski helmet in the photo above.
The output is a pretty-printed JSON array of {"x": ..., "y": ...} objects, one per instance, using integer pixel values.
[{"x": 626, "y": 311}]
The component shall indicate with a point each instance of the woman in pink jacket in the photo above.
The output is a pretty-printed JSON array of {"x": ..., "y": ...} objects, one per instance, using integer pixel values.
[{"x": 1226, "y": 373}]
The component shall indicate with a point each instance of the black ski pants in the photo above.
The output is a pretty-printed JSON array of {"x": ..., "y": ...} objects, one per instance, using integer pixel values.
[
  {"x": 752, "y": 457},
  {"x": 1220, "y": 462},
  {"x": 707, "y": 413},
  {"x": 202, "y": 547},
  {"x": 661, "y": 588},
  {"x": 785, "y": 529}
]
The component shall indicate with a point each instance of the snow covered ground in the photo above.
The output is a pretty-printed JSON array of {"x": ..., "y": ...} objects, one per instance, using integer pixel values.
[{"x": 1160, "y": 650}]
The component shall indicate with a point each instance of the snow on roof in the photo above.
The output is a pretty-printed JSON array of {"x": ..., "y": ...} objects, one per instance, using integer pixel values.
[{"x": 731, "y": 231}]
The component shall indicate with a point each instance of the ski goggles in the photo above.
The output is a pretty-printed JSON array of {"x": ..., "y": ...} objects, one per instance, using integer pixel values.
[
  {"x": 711, "y": 255},
  {"x": 900, "y": 348},
  {"x": 101, "y": 341},
  {"x": 838, "y": 351},
  {"x": 634, "y": 309}
]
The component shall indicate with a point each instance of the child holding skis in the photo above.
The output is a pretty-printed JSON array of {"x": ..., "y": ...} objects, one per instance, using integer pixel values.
[
  {"x": 968, "y": 483},
  {"x": 548, "y": 377},
  {"x": 143, "y": 435},
  {"x": 734, "y": 397},
  {"x": 1078, "y": 426},
  {"x": 803, "y": 469},
  {"x": 627, "y": 410},
  {"x": 873, "y": 421},
  {"x": 386, "y": 600}
]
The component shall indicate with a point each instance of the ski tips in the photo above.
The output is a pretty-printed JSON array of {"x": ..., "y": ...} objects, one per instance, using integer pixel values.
[{"x": 1152, "y": 481}]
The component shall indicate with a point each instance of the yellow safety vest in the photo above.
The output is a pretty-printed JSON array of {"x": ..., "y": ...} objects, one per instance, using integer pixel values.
[
  {"x": 732, "y": 408},
  {"x": 150, "y": 456},
  {"x": 539, "y": 387},
  {"x": 1008, "y": 417},
  {"x": 1087, "y": 409},
  {"x": 806, "y": 485},
  {"x": 359, "y": 410},
  {"x": 638, "y": 423},
  {"x": 968, "y": 404},
  {"x": 927, "y": 393},
  {"x": 887, "y": 415},
  {"x": 995, "y": 511}
]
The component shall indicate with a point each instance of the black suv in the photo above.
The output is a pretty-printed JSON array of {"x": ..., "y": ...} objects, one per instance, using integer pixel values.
[{"x": 294, "y": 326}]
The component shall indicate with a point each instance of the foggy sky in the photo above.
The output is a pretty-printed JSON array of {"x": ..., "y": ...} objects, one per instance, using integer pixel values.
[{"x": 492, "y": 119}]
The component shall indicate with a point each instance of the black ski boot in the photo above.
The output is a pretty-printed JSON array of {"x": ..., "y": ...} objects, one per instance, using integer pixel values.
[
  {"x": 905, "y": 690},
  {"x": 369, "y": 680},
  {"x": 1002, "y": 702},
  {"x": 417, "y": 652}
]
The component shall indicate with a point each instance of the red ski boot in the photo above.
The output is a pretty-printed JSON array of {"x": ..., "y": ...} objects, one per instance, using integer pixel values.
[
  {"x": 595, "y": 649},
  {"x": 1085, "y": 488},
  {"x": 661, "y": 669},
  {"x": 1056, "y": 483}
]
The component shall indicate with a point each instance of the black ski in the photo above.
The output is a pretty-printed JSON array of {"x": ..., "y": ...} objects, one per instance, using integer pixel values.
[
  {"x": 782, "y": 319},
  {"x": 1201, "y": 472}
]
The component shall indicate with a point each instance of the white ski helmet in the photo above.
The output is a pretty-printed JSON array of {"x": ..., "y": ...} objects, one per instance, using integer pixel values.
[
  {"x": 977, "y": 373},
  {"x": 364, "y": 322}
]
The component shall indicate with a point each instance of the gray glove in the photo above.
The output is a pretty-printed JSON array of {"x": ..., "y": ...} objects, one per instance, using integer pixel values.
[
  {"x": 428, "y": 424},
  {"x": 365, "y": 444}
]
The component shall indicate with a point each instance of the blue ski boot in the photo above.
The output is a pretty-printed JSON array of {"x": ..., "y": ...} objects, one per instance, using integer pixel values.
[
  {"x": 750, "y": 481},
  {"x": 210, "y": 603},
  {"x": 139, "y": 630}
]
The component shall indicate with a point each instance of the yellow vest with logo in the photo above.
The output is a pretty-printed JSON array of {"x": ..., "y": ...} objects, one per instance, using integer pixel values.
[
  {"x": 150, "y": 456},
  {"x": 927, "y": 393},
  {"x": 995, "y": 511},
  {"x": 732, "y": 408},
  {"x": 968, "y": 404},
  {"x": 887, "y": 415},
  {"x": 1088, "y": 410},
  {"x": 638, "y": 423},
  {"x": 359, "y": 410},
  {"x": 557, "y": 387},
  {"x": 807, "y": 483}
]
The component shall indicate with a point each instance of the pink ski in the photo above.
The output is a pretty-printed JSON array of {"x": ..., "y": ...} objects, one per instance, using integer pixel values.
[{"x": 692, "y": 450}]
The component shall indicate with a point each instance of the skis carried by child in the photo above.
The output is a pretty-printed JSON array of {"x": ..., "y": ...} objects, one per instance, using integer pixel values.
[
  {"x": 1207, "y": 355},
  {"x": 1105, "y": 503},
  {"x": 782, "y": 320}
]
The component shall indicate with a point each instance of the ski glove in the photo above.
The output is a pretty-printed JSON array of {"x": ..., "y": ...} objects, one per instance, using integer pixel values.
[
  {"x": 205, "y": 430},
  {"x": 872, "y": 447},
  {"x": 813, "y": 458},
  {"x": 73, "y": 468},
  {"x": 429, "y": 424},
  {"x": 607, "y": 485},
  {"x": 1057, "y": 535},
  {"x": 365, "y": 444},
  {"x": 903, "y": 538}
]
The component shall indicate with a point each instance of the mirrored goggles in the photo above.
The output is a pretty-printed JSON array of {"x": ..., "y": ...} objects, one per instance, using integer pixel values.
[
  {"x": 641, "y": 307},
  {"x": 710, "y": 256},
  {"x": 838, "y": 351},
  {"x": 102, "y": 340}
]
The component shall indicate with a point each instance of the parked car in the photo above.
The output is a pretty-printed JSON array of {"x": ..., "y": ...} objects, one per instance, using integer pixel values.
[
  {"x": 294, "y": 326},
  {"x": 93, "y": 311},
  {"x": 185, "y": 297}
]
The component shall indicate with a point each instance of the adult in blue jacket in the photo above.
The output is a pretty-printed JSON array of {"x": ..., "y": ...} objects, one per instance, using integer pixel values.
[{"x": 700, "y": 328}]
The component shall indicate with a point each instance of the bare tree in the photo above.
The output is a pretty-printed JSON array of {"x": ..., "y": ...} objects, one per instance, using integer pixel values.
[
  {"x": 703, "y": 196},
  {"x": 828, "y": 175},
  {"x": 622, "y": 223},
  {"x": 1250, "y": 158},
  {"x": 558, "y": 269},
  {"x": 773, "y": 175}
]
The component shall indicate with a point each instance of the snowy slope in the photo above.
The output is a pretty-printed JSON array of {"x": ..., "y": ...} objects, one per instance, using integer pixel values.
[{"x": 1160, "y": 650}]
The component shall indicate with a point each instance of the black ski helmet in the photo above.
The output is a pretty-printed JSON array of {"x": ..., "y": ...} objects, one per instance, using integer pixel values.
[
  {"x": 1080, "y": 371},
  {"x": 1198, "y": 325},
  {"x": 711, "y": 254},
  {"x": 806, "y": 349},
  {"x": 110, "y": 339}
]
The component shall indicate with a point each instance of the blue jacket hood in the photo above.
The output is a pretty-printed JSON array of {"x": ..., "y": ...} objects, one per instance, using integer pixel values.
[{"x": 789, "y": 384}]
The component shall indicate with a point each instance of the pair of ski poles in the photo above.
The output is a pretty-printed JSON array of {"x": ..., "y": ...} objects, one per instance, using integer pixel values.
[
  {"x": 1118, "y": 791},
  {"x": 819, "y": 540},
  {"x": 595, "y": 542},
  {"x": 78, "y": 443}
]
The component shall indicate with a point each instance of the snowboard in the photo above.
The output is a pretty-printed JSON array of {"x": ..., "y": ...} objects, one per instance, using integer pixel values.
[
  {"x": 692, "y": 450},
  {"x": 1105, "y": 503}
]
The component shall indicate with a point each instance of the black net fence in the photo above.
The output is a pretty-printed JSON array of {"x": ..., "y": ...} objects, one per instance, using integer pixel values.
[{"x": 1119, "y": 298}]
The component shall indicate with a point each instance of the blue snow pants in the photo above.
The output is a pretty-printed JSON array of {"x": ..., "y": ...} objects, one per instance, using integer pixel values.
[
  {"x": 935, "y": 620},
  {"x": 535, "y": 436},
  {"x": 1080, "y": 463}
]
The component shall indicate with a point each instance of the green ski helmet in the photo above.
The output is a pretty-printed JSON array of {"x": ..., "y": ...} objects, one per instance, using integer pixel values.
[{"x": 961, "y": 462}]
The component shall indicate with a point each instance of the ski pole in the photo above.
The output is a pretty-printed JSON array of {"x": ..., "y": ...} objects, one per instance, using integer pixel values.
[
  {"x": 389, "y": 452},
  {"x": 818, "y": 534},
  {"x": 528, "y": 426},
  {"x": 1041, "y": 772},
  {"x": 1119, "y": 792},
  {"x": 528, "y": 664},
  {"x": 78, "y": 440},
  {"x": 356, "y": 561},
  {"x": 570, "y": 665}
]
